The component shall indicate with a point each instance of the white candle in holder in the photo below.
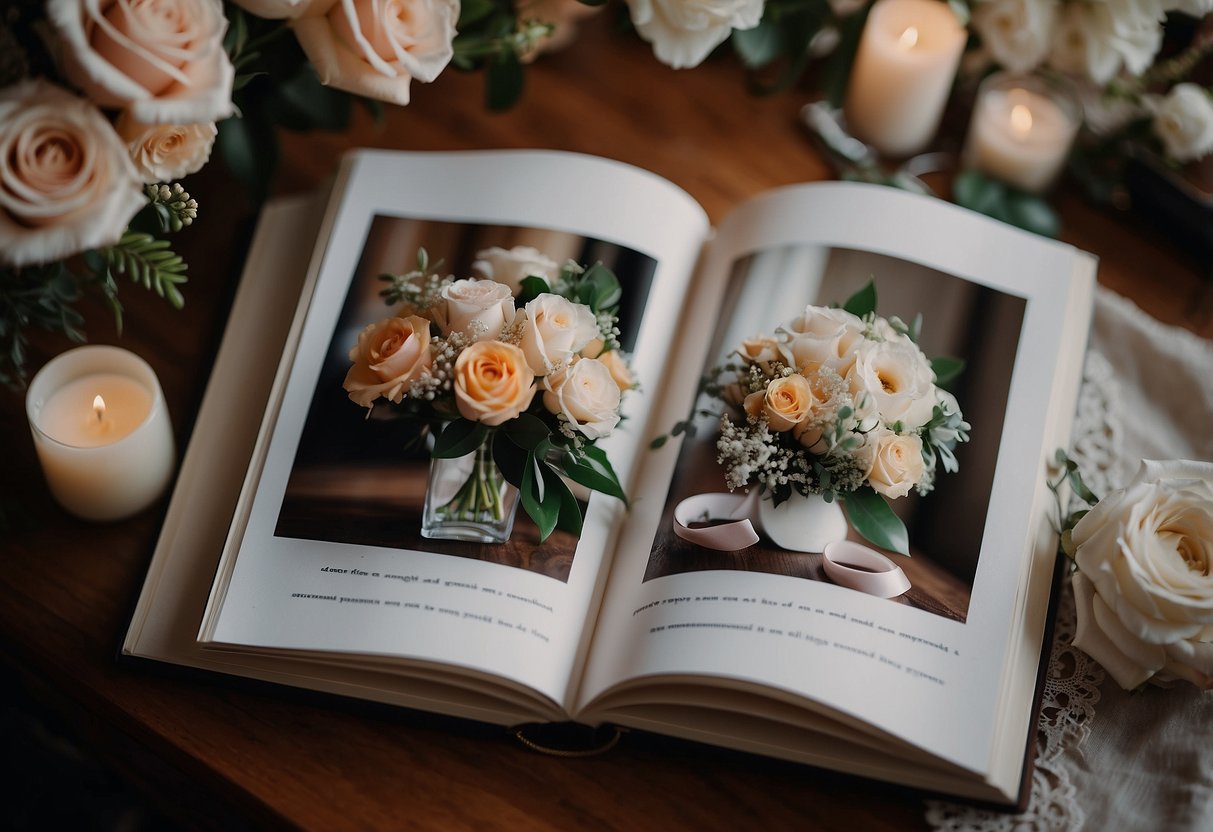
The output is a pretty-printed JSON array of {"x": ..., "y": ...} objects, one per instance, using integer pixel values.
[
  {"x": 902, "y": 75},
  {"x": 102, "y": 432},
  {"x": 1022, "y": 130}
]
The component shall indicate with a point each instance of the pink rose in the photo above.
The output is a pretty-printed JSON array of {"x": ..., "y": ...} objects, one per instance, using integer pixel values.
[
  {"x": 162, "y": 59},
  {"x": 377, "y": 47},
  {"x": 66, "y": 182},
  {"x": 164, "y": 152}
]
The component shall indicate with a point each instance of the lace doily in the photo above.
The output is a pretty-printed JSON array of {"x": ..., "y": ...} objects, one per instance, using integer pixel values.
[{"x": 1071, "y": 688}]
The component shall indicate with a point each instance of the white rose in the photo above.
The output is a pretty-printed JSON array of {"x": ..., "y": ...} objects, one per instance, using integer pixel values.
[
  {"x": 162, "y": 59},
  {"x": 1082, "y": 42},
  {"x": 823, "y": 337},
  {"x": 477, "y": 308},
  {"x": 164, "y": 152},
  {"x": 1144, "y": 585},
  {"x": 376, "y": 47},
  {"x": 587, "y": 395},
  {"x": 894, "y": 462},
  {"x": 554, "y": 331},
  {"x": 1195, "y": 8},
  {"x": 66, "y": 181},
  {"x": 1016, "y": 32},
  {"x": 510, "y": 266},
  {"x": 1137, "y": 31},
  {"x": 893, "y": 379},
  {"x": 1183, "y": 120},
  {"x": 683, "y": 32},
  {"x": 274, "y": 9}
]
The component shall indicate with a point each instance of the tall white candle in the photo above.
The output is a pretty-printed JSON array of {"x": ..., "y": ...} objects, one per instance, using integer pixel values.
[
  {"x": 1021, "y": 131},
  {"x": 902, "y": 75},
  {"x": 102, "y": 432}
]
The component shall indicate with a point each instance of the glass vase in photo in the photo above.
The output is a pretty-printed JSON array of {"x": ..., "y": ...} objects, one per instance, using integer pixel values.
[{"x": 468, "y": 498}]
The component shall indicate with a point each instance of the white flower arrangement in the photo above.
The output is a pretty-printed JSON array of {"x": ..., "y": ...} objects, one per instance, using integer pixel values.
[
  {"x": 842, "y": 403},
  {"x": 530, "y": 370}
]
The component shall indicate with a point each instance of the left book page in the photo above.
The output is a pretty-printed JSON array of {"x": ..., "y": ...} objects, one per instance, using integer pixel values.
[{"x": 324, "y": 561}]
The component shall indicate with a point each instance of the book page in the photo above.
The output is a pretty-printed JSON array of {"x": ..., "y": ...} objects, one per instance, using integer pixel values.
[
  {"x": 928, "y": 668},
  {"x": 325, "y": 558}
]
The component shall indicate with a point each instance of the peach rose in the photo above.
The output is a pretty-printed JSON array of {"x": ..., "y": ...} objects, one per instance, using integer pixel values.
[
  {"x": 162, "y": 59},
  {"x": 388, "y": 356},
  {"x": 896, "y": 463},
  {"x": 786, "y": 403},
  {"x": 66, "y": 181},
  {"x": 164, "y": 152},
  {"x": 377, "y": 47},
  {"x": 493, "y": 383},
  {"x": 587, "y": 395},
  {"x": 620, "y": 371},
  {"x": 274, "y": 9},
  {"x": 477, "y": 308}
]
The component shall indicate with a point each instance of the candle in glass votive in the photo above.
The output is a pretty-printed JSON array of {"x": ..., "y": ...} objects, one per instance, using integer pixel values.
[
  {"x": 1022, "y": 130},
  {"x": 102, "y": 432},
  {"x": 902, "y": 75}
]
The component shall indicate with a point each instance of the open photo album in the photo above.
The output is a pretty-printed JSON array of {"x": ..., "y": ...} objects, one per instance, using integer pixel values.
[{"x": 518, "y": 436}]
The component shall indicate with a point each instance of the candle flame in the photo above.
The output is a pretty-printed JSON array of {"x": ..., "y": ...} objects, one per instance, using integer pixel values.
[
  {"x": 1021, "y": 120},
  {"x": 99, "y": 407},
  {"x": 909, "y": 38}
]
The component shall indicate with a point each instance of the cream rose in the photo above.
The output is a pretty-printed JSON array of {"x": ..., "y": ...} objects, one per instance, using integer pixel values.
[
  {"x": 164, "y": 152},
  {"x": 1017, "y": 33},
  {"x": 162, "y": 59},
  {"x": 377, "y": 47},
  {"x": 893, "y": 380},
  {"x": 824, "y": 337},
  {"x": 1183, "y": 120},
  {"x": 275, "y": 9},
  {"x": 511, "y": 265},
  {"x": 493, "y": 383},
  {"x": 586, "y": 394},
  {"x": 1097, "y": 39},
  {"x": 477, "y": 308},
  {"x": 761, "y": 350},
  {"x": 896, "y": 463},
  {"x": 683, "y": 32},
  {"x": 66, "y": 181},
  {"x": 554, "y": 331},
  {"x": 388, "y": 356},
  {"x": 1144, "y": 585}
]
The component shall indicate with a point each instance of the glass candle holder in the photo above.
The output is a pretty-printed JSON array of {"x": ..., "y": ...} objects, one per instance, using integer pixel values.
[
  {"x": 101, "y": 430},
  {"x": 1022, "y": 129}
]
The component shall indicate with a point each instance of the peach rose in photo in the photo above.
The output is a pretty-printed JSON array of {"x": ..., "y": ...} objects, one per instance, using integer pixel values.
[
  {"x": 587, "y": 395},
  {"x": 377, "y": 47},
  {"x": 66, "y": 181},
  {"x": 785, "y": 403},
  {"x": 493, "y": 383},
  {"x": 620, "y": 371},
  {"x": 389, "y": 356},
  {"x": 164, "y": 152},
  {"x": 162, "y": 59}
]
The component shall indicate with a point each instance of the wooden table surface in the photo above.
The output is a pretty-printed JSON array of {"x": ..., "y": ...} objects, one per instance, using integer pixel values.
[{"x": 213, "y": 754}]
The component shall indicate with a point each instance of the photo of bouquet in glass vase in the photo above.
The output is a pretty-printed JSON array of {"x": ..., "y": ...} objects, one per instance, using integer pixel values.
[
  {"x": 837, "y": 403},
  {"x": 510, "y": 377}
]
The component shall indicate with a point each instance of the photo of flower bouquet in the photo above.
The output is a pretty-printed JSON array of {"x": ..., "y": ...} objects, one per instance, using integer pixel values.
[
  {"x": 839, "y": 402},
  {"x": 515, "y": 374}
]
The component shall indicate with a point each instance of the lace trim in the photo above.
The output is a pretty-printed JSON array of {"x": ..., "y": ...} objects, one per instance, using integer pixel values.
[{"x": 1071, "y": 689}]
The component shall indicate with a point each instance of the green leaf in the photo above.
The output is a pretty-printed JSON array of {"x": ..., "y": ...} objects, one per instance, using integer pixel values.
[
  {"x": 249, "y": 148},
  {"x": 569, "y": 518},
  {"x": 862, "y": 302},
  {"x": 303, "y": 103},
  {"x": 1031, "y": 213},
  {"x": 759, "y": 46},
  {"x": 540, "y": 503},
  {"x": 872, "y": 517},
  {"x": 511, "y": 459},
  {"x": 599, "y": 288},
  {"x": 976, "y": 192},
  {"x": 1080, "y": 488},
  {"x": 503, "y": 82},
  {"x": 526, "y": 431},
  {"x": 459, "y": 438},
  {"x": 593, "y": 470},
  {"x": 472, "y": 11},
  {"x": 946, "y": 368},
  {"x": 532, "y": 287},
  {"x": 659, "y": 442}
]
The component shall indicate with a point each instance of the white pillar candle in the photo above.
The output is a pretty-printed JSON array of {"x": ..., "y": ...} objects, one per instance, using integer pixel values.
[
  {"x": 102, "y": 432},
  {"x": 1022, "y": 130},
  {"x": 902, "y": 75}
]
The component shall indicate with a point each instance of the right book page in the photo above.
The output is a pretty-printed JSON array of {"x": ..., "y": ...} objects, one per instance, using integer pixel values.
[{"x": 758, "y": 649}]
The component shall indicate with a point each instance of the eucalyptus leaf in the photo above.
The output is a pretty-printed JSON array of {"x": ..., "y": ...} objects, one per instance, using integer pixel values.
[
  {"x": 1031, "y": 213},
  {"x": 758, "y": 46},
  {"x": 459, "y": 438},
  {"x": 946, "y": 368},
  {"x": 871, "y": 516}
]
